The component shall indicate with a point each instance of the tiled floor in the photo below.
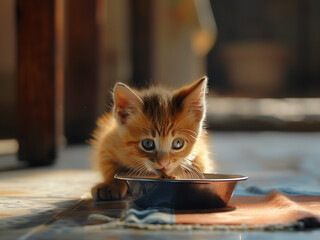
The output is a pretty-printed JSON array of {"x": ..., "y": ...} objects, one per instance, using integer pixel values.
[{"x": 54, "y": 202}]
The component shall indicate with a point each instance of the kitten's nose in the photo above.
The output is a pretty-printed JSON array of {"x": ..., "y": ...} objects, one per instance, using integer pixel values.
[{"x": 164, "y": 163}]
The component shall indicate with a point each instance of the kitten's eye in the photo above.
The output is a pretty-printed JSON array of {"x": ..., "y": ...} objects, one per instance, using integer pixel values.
[
  {"x": 177, "y": 143},
  {"x": 148, "y": 144}
]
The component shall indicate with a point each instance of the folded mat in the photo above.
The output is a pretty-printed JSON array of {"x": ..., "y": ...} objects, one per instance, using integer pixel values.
[{"x": 275, "y": 211}]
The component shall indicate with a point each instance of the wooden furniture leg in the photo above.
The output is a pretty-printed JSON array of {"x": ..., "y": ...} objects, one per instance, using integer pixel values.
[{"x": 36, "y": 82}]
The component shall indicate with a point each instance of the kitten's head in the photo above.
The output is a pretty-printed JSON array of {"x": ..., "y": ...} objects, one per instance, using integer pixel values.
[{"x": 159, "y": 127}]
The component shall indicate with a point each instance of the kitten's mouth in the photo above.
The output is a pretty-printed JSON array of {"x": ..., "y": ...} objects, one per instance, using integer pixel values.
[{"x": 162, "y": 170}]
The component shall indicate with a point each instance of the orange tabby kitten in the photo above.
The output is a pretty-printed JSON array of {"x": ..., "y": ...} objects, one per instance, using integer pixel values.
[{"x": 152, "y": 131}]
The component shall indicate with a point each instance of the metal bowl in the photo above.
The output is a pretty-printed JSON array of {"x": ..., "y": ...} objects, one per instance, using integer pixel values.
[{"x": 214, "y": 191}]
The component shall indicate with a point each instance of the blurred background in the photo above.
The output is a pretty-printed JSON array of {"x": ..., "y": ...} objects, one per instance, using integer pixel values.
[{"x": 59, "y": 60}]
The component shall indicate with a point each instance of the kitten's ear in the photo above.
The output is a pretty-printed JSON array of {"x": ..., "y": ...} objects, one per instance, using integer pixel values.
[
  {"x": 193, "y": 98},
  {"x": 126, "y": 102}
]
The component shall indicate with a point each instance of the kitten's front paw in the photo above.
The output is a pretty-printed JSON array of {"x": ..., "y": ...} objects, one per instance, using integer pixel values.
[{"x": 109, "y": 191}]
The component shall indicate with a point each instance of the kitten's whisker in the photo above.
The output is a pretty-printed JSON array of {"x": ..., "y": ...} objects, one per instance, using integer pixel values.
[
  {"x": 191, "y": 136},
  {"x": 138, "y": 169},
  {"x": 187, "y": 171},
  {"x": 196, "y": 165},
  {"x": 131, "y": 171},
  {"x": 187, "y": 134},
  {"x": 142, "y": 113},
  {"x": 142, "y": 170},
  {"x": 188, "y": 130},
  {"x": 188, "y": 140},
  {"x": 134, "y": 168},
  {"x": 202, "y": 150},
  {"x": 180, "y": 173},
  {"x": 195, "y": 172},
  {"x": 183, "y": 172},
  {"x": 145, "y": 172},
  {"x": 139, "y": 173},
  {"x": 176, "y": 172},
  {"x": 182, "y": 168},
  {"x": 184, "y": 119},
  {"x": 135, "y": 171},
  {"x": 193, "y": 176}
]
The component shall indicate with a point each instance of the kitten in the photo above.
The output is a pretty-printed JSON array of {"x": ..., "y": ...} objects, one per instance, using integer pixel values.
[{"x": 151, "y": 131}]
